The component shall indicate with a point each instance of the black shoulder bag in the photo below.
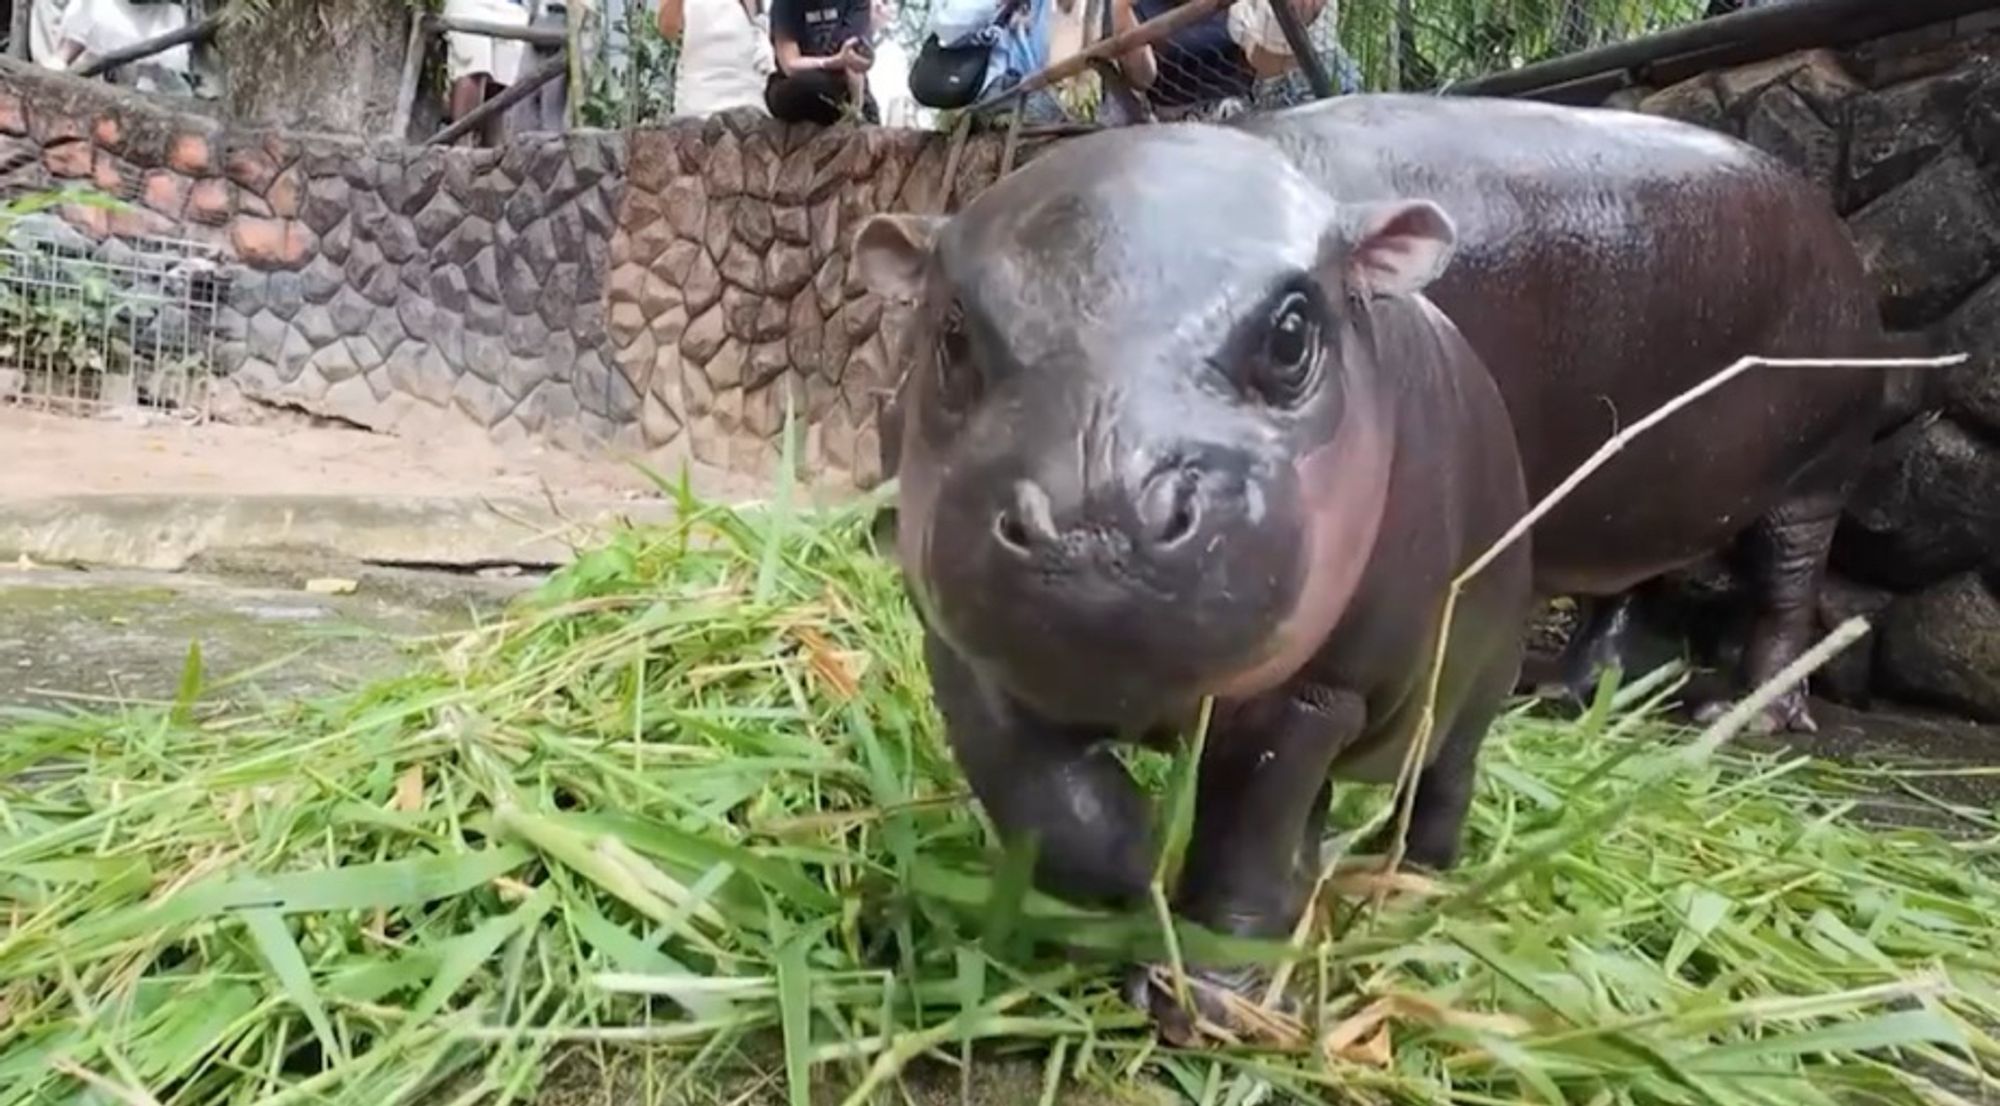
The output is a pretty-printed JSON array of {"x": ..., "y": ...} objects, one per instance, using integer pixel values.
[{"x": 947, "y": 77}]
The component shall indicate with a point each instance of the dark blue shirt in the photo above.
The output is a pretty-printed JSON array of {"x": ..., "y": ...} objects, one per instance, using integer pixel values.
[
  {"x": 1197, "y": 64},
  {"x": 820, "y": 26}
]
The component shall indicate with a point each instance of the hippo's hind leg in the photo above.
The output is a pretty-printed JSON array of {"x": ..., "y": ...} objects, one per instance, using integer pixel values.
[
  {"x": 1060, "y": 786},
  {"x": 1634, "y": 631},
  {"x": 1785, "y": 554},
  {"x": 1260, "y": 808},
  {"x": 1601, "y": 640}
]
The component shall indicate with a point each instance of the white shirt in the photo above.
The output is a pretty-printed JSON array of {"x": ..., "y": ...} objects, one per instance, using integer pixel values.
[
  {"x": 725, "y": 59},
  {"x": 103, "y": 26},
  {"x": 889, "y": 80}
]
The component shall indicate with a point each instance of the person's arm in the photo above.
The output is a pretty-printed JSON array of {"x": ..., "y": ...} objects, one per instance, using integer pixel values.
[
  {"x": 955, "y": 21},
  {"x": 673, "y": 18},
  {"x": 1138, "y": 65},
  {"x": 863, "y": 49},
  {"x": 1270, "y": 63},
  {"x": 785, "y": 40}
]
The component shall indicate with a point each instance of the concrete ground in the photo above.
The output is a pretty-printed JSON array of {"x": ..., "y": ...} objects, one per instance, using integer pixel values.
[
  {"x": 139, "y": 452},
  {"x": 137, "y": 489}
]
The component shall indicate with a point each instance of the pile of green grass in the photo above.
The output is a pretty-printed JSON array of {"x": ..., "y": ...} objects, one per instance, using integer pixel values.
[{"x": 689, "y": 801}]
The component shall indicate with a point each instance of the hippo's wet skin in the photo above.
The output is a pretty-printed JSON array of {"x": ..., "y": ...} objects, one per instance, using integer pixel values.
[
  {"x": 1607, "y": 262},
  {"x": 1143, "y": 461}
]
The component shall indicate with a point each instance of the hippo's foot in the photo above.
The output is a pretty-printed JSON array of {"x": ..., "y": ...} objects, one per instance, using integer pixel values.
[
  {"x": 1788, "y": 714},
  {"x": 1561, "y": 697},
  {"x": 1225, "y": 1006},
  {"x": 1424, "y": 854}
]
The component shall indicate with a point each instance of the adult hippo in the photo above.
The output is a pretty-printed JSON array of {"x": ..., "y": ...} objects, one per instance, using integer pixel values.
[
  {"x": 1608, "y": 261},
  {"x": 1142, "y": 465}
]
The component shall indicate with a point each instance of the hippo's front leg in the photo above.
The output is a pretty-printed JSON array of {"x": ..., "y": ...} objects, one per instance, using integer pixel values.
[
  {"x": 1059, "y": 785},
  {"x": 1254, "y": 854}
]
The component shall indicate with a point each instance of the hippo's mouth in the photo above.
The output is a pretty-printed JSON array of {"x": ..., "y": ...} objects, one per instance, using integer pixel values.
[{"x": 1091, "y": 637}]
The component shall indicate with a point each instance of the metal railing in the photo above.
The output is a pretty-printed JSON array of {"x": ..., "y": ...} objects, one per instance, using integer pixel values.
[{"x": 88, "y": 324}]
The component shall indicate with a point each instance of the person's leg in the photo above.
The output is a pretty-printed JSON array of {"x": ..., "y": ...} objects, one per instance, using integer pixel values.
[
  {"x": 469, "y": 64},
  {"x": 508, "y": 64},
  {"x": 815, "y": 96},
  {"x": 493, "y": 132},
  {"x": 467, "y": 92},
  {"x": 552, "y": 102}
]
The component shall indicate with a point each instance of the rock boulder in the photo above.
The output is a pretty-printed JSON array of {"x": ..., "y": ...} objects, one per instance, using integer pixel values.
[
  {"x": 1927, "y": 507},
  {"x": 1942, "y": 647}
]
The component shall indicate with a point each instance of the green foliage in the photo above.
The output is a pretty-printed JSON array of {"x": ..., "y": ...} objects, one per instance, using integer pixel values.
[
  {"x": 1426, "y": 43},
  {"x": 68, "y": 334},
  {"x": 638, "y": 89},
  {"x": 687, "y": 806}
]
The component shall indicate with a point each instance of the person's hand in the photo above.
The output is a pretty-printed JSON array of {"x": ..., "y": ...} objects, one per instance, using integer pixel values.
[{"x": 853, "y": 57}]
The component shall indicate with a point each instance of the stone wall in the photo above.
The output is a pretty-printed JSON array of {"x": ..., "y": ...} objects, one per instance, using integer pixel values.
[
  {"x": 658, "y": 293},
  {"x": 1904, "y": 132},
  {"x": 398, "y": 285},
  {"x": 730, "y": 286}
]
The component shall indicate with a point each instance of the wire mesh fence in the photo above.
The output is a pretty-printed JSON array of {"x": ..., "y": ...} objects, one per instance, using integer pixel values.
[
  {"x": 1234, "y": 59},
  {"x": 87, "y": 325}
]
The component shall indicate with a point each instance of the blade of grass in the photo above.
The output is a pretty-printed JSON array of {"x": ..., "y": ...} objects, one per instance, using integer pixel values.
[{"x": 267, "y": 929}]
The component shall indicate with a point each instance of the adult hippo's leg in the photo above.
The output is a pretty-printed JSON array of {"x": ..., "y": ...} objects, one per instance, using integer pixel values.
[
  {"x": 1254, "y": 853},
  {"x": 1786, "y": 555},
  {"x": 1059, "y": 785}
]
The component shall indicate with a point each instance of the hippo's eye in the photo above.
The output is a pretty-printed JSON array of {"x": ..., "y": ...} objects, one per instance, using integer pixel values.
[
  {"x": 1291, "y": 351},
  {"x": 958, "y": 377}
]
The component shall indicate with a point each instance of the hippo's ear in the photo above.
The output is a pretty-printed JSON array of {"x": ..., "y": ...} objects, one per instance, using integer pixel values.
[
  {"x": 890, "y": 250},
  {"x": 1399, "y": 247}
]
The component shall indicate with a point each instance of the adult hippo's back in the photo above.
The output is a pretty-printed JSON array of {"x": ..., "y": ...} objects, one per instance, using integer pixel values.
[{"x": 1608, "y": 261}]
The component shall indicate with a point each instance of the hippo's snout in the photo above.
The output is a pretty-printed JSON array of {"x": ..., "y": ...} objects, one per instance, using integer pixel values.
[
  {"x": 1164, "y": 513},
  {"x": 1117, "y": 602}
]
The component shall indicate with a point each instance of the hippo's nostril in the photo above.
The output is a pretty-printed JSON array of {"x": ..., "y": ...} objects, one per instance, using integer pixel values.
[
  {"x": 1027, "y": 522},
  {"x": 1181, "y": 523},
  {"x": 1011, "y": 533},
  {"x": 1171, "y": 506}
]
